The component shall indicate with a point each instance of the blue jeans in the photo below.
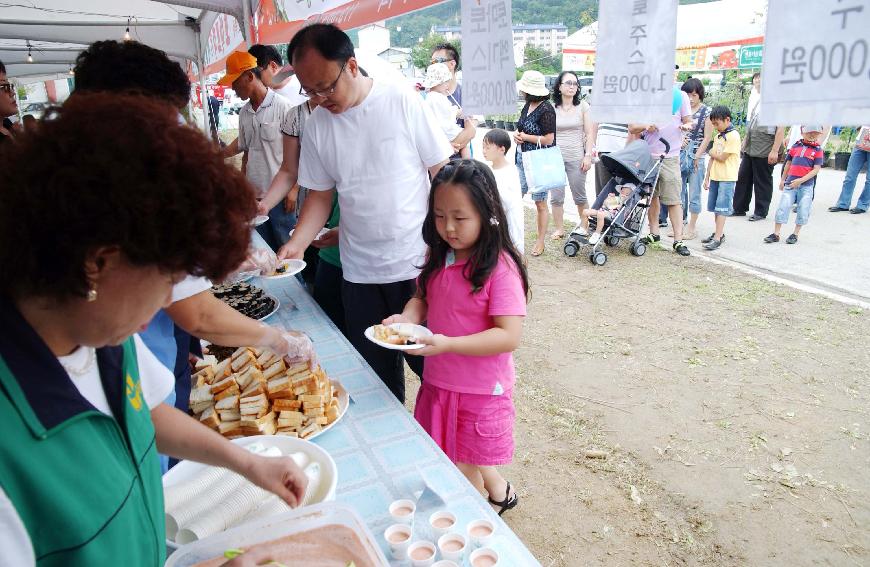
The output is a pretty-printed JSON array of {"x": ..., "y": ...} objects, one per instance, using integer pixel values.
[
  {"x": 856, "y": 161},
  {"x": 803, "y": 196},
  {"x": 695, "y": 182},
  {"x": 276, "y": 231},
  {"x": 720, "y": 200}
]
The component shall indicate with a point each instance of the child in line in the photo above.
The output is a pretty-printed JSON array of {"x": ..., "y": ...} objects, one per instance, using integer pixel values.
[
  {"x": 496, "y": 144},
  {"x": 798, "y": 182},
  {"x": 437, "y": 82},
  {"x": 610, "y": 208},
  {"x": 472, "y": 292},
  {"x": 721, "y": 175}
]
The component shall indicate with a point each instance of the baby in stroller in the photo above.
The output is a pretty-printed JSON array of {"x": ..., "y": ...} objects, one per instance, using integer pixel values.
[{"x": 616, "y": 198}]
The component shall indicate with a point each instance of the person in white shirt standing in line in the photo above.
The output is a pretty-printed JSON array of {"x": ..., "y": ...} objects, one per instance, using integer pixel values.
[
  {"x": 376, "y": 145},
  {"x": 264, "y": 133}
]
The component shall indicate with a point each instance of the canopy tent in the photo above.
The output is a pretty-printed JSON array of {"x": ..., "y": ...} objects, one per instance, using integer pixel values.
[
  {"x": 201, "y": 32},
  {"x": 712, "y": 35}
]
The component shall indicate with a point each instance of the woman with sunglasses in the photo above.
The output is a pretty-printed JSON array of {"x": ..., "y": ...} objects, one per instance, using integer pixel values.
[
  {"x": 8, "y": 105},
  {"x": 573, "y": 129}
]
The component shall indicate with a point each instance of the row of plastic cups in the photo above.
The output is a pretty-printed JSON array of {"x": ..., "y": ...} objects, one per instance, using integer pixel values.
[{"x": 452, "y": 546}]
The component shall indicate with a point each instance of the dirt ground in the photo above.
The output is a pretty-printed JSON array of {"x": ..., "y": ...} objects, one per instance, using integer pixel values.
[{"x": 730, "y": 412}]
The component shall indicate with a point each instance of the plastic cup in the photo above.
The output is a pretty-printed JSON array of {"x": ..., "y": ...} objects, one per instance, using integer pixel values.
[
  {"x": 452, "y": 546},
  {"x": 441, "y": 523},
  {"x": 422, "y": 554},
  {"x": 484, "y": 557},
  {"x": 398, "y": 537},
  {"x": 480, "y": 533},
  {"x": 402, "y": 511}
]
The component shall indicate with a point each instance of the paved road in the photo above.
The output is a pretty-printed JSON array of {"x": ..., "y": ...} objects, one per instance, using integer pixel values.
[{"x": 832, "y": 254}]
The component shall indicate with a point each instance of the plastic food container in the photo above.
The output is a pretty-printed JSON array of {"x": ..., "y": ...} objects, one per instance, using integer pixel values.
[
  {"x": 325, "y": 491},
  {"x": 268, "y": 529}
]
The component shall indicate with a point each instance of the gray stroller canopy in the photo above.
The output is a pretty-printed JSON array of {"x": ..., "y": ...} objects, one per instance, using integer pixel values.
[{"x": 633, "y": 163}]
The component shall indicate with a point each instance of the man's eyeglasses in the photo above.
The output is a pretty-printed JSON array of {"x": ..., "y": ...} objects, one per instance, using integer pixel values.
[
  {"x": 324, "y": 92},
  {"x": 569, "y": 83},
  {"x": 8, "y": 87},
  {"x": 441, "y": 60}
]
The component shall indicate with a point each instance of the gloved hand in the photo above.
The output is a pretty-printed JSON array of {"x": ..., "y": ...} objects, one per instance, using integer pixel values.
[
  {"x": 292, "y": 345},
  {"x": 264, "y": 260}
]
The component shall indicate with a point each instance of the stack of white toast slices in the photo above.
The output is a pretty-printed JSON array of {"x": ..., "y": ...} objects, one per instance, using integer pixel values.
[{"x": 255, "y": 392}]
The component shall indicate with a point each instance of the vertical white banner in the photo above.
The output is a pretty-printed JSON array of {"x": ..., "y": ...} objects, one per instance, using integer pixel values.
[
  {"x": 634, "y": 62},
  {"x": 816, "y": 63},
  {"x": 489, "y": 84}
]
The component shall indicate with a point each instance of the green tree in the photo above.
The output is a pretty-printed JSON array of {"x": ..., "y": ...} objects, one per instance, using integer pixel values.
[
  {"x": 538, "y": 59},
  {"x": 421, "y": 54}
]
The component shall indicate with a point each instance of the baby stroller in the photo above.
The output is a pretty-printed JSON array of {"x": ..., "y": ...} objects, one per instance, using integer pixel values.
[{"x": 632, "y": 164}]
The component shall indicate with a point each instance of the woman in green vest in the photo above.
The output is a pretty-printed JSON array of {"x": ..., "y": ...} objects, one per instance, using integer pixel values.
[{"x": 102, "y": 209}]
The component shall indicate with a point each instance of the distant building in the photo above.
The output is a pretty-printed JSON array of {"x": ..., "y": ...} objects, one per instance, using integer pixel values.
[
  {"x": 400, "y": 58},
  {"x": 543, "y": 36}
]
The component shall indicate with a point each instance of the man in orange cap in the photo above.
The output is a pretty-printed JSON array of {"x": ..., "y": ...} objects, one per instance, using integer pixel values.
[{"x": 264, "y": 132}]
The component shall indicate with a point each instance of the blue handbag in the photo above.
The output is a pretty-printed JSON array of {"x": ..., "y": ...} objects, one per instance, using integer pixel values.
[{"x": 544, "y": 169}]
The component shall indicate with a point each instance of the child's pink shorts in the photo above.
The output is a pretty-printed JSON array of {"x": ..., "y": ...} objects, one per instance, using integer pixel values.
[{"x": 470, "y": 428}]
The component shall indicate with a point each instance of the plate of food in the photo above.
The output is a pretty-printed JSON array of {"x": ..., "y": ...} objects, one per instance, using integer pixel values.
[
  {"x": 286, "y": 268},
  {"x": 250, "y": 391},
  {"x": 398, "y": 336},
  {"x": 247, "y": 299},
  {"x": 259, "y": 219}
]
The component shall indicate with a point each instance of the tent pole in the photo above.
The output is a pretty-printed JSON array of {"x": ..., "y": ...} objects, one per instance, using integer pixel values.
[
  {"x": 249, "y": 25},
  {"x": 200, "y": 67}
]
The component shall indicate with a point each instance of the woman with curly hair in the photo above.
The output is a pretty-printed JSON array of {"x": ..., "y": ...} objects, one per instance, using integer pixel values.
[{"x": 135, "y": 202}]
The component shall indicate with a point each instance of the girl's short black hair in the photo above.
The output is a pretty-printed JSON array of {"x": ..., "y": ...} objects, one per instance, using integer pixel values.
[
  {"x": 498, "y": 137},
  {"x": 720, "y": 112},
  {"x": 693, "y": 85},
  {"x": 535, "y": 98},
  {"x": 557, "y": 96},
  {"x": 494, "y": 239}
]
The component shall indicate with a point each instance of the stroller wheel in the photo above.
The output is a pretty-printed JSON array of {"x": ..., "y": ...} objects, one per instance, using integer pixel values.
[
  {"x": 571, "y": 249},
  {"x": 638, "y": 248},
  {"x": 598, "y": 258},
  {"x": 612, "y": 241}
]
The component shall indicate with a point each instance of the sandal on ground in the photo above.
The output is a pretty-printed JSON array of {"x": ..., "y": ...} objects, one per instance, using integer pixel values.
[
  {"x": 508, "y": 502},
  {"x": 537, "y": 251},
  {"x": 557, "y": 236}
]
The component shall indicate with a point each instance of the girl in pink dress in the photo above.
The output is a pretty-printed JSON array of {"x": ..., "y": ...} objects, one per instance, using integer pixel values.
[{"x": 472, "y": 293}]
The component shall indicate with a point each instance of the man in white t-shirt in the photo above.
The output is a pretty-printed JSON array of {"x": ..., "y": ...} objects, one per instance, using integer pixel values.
[{"x": 376, "y": 145}]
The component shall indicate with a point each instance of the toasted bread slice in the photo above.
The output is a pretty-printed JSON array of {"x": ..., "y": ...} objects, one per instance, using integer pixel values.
[
  {"x": 251, "y": 375},
  {"x": 229, "y": 427},
  {"x": 222, "y": 369},
  {"x": 258, "y": 422},
  {"x": 207, "y": 373},
  {"x": 309, "y": 430},
  {"x": 223, "y": 384},
  {"x": 205, "y": 361},
  {"x": 332, "y": 413},
  {"x": 231, "y": 391},
  {"x": 229, "y": 403},
  {"x": 314, "y": 412},
  {"x": 201, "y": 394},
  {"x": 210, "y": 418},
  {"x": 229, "y": 415},
  {"x": 200, "y": 407},
  {"x": 321, "y": 420},
  {"x": 287, "y": 433},
  {"x": 242, "y": 361},
  {"x": 286, "y": 405},
  {"x": 274, "y": 369},
  {"x": 266, "y": 358},
  {"x": 253, "y": 389}
]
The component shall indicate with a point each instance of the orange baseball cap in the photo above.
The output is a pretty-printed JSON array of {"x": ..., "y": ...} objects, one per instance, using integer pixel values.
[{"x": 237, "y": 63}]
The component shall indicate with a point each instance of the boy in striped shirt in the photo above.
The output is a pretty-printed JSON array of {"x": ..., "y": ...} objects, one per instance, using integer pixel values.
[{"x": 798, "y": 182}]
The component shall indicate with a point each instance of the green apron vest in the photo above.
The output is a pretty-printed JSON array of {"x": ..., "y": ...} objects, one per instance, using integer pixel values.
[{"x": 89, "y": 489}]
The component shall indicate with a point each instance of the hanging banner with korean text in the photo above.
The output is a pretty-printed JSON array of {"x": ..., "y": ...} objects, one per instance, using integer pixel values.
[
  {"x": 489, "y": 84},
  {"x": 634, "y": 64},
  {"x": 822, "y": 73}
]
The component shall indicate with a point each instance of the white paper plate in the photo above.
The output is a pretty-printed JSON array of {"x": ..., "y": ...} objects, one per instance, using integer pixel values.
[
  {"x": 328, "y": 471},
  {"x": 404, "y": 328},
  {"x": 259, "y": 219},
  {"x": 319, "y": 234},
  {"x": 291, "y": 268}
]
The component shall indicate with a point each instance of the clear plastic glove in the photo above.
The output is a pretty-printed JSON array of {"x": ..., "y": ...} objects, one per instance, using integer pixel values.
[
  {"x": 292, "y": 345},
  {"x": 263, "y": 260}
]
